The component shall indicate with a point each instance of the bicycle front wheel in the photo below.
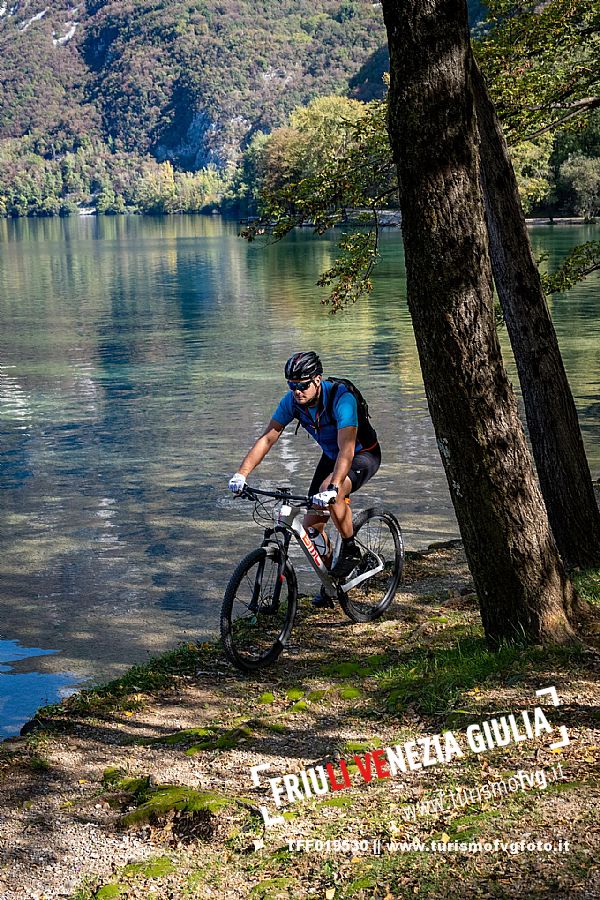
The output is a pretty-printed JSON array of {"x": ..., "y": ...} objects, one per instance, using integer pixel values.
[
  {"x": 378, "y": 534},
  {"x": 258, "y": 609}
]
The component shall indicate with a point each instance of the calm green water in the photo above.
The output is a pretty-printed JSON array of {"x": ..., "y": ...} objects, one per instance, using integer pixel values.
[{"x": 139, "y": 358}]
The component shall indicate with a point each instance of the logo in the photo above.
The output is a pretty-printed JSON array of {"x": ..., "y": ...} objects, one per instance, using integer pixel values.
[{"x": 311, "y": 549}]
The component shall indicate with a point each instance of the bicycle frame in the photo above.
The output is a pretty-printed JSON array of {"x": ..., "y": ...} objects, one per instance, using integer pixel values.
[{"x": 290, "y": 523}]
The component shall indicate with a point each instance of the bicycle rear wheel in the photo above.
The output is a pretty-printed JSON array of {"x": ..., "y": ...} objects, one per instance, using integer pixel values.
[
  {"x": 378, "y": 534},
  {"x": 258, "y": 609}
]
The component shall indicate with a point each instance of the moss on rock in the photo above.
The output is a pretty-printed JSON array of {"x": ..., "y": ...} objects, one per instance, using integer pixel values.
[
  {"x": 108, "y": 892},
  {"x": 226, "y": 741},
  {"x": 350, "y": 693},
  {"x": 185, "y": 736},
  {"x": 295, "y": 693},
  {"x": 267, "y": 697},
  {"x": 167, "y": 798},
  {"x": 153, "y": 868}
]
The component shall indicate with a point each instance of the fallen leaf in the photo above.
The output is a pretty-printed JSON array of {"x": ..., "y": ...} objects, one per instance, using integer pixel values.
[{"x": 329, "y": 893}]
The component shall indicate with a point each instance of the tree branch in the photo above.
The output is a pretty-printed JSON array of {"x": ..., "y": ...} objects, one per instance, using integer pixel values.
[
  {"x": 584, "y": 103},
  {"x": 577, "y": 108}
]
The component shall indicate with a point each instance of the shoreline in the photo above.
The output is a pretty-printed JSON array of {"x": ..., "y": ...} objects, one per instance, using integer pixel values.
[
  {"x": 143, "y": 786},
  {"x": 560, "y": 220},
  {"x": 389, "y": 218}
]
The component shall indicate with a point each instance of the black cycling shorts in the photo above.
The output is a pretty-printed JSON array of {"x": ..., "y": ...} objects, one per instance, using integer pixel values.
[{"x": 364, "y": 465}]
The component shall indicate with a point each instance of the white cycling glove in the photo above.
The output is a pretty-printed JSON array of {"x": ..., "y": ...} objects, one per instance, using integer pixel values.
[
  {"x": 323, "y": 499},
  {"x": 237, "y": 483}
]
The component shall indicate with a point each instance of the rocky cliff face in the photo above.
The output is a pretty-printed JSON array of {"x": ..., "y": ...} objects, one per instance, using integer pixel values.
[{"x": 206, "y": 141}]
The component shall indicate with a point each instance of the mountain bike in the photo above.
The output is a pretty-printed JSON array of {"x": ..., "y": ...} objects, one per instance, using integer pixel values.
[{"x": 261, "y": 598}]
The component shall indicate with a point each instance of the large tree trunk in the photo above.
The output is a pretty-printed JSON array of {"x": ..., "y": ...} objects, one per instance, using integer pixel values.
[
  {"x": 556, "y": 439},
  {"x": 518, "y": 575}
]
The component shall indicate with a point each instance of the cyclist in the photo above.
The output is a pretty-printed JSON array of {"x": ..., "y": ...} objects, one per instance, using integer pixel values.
[{"x": 345, "y": 464}]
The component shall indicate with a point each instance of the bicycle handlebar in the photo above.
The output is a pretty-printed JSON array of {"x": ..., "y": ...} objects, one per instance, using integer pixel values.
[{"x": 248, "y": 493}]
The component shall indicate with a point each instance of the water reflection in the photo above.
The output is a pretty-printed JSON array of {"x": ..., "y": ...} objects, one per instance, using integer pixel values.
[
  {"x": 22, "y": 692},
  {"x": 139, "y": 359}
]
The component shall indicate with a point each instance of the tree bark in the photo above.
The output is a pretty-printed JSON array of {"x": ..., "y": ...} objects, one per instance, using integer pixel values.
[
  {"x": 554, "y": 430},
  {"x": 518, "y": 574}
]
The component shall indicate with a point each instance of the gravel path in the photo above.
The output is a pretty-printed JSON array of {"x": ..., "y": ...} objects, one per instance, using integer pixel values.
[{"x": 59, "y": 826}]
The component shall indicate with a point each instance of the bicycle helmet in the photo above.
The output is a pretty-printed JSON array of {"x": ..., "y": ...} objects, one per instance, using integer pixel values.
[{"x": 302, "y": 366}]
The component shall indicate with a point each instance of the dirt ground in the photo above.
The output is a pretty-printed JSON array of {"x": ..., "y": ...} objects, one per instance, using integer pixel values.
[{"x": 86, "y": 814}]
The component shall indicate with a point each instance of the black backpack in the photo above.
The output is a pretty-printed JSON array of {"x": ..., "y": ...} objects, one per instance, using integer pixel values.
[{"x": 367, "y": 436}]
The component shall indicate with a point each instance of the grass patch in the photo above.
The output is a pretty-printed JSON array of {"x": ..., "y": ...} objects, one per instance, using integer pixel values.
[
  {"x": 158, "y": 867},
  {"x": 112, "y": 776},
  {"x": 192, "y": 811},
  {"x": 362, "y": 746},
  {"x": 367, "y": 666},
  {"x": 38, "y": 763},
  {"x": 340, "y": 802},
  {"x": 365, "y": 883},
  {"x": 270, "y": 887},
  {"x": 117, "y": 780},
  {"x": 434, "y": 680},
  {"x": 198, "y": 879},
  {"x": 561, "y": 787},
  {"x": 127, "y": 692},
  {"x": 587, "y": 583},
  {"x": 345, "y": 669},
  {"x": 153, "y": 868},
  {"x": 277, "y": 728}
]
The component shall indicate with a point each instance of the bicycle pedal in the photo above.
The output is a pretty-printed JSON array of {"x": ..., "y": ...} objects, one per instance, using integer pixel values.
[{"x": 322, "y": 601}]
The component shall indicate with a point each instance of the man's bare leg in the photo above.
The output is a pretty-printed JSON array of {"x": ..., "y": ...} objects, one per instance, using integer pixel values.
[
  {"x": 340, "y": 511},
  {"x": 316, "y": 520}
]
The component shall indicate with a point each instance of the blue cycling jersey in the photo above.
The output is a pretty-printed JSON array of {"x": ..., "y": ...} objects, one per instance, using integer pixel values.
[{"x": 315, "y": 419}]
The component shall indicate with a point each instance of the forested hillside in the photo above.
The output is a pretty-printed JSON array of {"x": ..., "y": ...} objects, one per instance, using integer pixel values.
[
  {"x": 191, "y": 81},
  {"x": 43, "y": 75},
  {"x": 96, "y": 97}
]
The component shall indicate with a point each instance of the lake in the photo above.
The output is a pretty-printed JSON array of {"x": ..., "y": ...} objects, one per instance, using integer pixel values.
[{"x": 139, "y": 359}]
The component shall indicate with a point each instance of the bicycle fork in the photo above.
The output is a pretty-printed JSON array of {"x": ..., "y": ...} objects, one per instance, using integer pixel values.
[{"x": 267, "y": 543}]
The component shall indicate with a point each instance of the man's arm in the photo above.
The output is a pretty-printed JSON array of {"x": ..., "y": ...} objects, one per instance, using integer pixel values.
[
  {"x": 255, "y": 456},
  {"x": 346, "y": 438}
]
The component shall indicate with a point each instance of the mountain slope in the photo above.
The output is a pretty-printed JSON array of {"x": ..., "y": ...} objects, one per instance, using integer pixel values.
[
  {"x": 42, "y": 76},
  {"x": 191, "y": 81}
]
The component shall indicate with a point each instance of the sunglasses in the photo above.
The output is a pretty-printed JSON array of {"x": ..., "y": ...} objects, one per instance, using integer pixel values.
[{"x": 299, "y": 385}]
